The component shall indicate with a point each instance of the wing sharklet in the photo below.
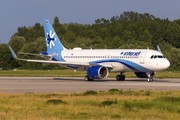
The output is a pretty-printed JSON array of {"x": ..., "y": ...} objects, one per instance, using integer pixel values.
[
  {"x": 158, "y": 48},
  {"x": 14, "y": 55}
]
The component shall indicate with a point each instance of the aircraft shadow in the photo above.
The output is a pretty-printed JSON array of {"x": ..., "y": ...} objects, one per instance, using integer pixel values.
[
  {"x": 70, "y": 79},
  {"x": 108, "y": 80},
  {"x": 75, "y": 79}
]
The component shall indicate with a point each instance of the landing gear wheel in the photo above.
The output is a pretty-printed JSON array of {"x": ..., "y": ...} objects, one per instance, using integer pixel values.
[
  {"x": 118, "y": 77},
  {"x": 123, "y": 77},
  {"x": 87, "y": 78},
  {"x": 150, "y": 79}
]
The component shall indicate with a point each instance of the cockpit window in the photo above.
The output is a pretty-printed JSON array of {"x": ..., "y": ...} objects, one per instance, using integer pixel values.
[{"x": 157, "y": 56}]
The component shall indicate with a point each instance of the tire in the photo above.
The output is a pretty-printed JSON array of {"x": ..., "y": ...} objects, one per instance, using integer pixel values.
[
  {"x": 118, "y": 77},
  {"x": 149, "y": 79},
  {"x": 123, "y": 77},
  {"x": 86, "y": 78}
]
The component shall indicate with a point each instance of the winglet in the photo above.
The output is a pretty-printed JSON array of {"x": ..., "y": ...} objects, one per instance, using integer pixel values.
[
  {"x": 158, "y": 48},
  {"x": 14, "y": 55}
]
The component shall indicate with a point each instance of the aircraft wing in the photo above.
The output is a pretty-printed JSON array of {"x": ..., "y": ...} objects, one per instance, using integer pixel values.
[
  {"x": 43, "y": 56},
  {"x": 34, "y": 54},
  {"x": 57, "y": 62}
]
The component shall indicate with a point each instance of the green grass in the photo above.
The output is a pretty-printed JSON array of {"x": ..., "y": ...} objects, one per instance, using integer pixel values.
[
  {"x": 161, "y": 105},
  {"x": 72, "y": 73}
]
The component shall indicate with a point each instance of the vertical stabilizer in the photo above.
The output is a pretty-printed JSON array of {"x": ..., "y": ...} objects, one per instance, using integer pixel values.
[{"x": 52, "y": 41}]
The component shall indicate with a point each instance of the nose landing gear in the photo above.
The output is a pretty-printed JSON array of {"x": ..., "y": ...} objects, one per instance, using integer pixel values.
[
  {"x": 150, "y": 76},
  {"x": 150, "y": 79}
]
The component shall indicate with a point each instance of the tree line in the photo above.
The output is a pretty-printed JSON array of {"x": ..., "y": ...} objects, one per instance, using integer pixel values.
[{"x": 130, "y": 30}]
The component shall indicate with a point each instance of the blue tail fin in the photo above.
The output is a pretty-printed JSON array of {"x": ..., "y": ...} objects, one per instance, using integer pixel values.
[{"x": 52, "y": 41}]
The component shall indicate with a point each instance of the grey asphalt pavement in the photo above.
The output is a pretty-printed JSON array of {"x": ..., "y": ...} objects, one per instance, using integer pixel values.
[{"x": 77, "y": 84}]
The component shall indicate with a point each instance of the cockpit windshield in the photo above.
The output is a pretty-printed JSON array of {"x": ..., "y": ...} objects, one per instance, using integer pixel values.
[{"x": 157, "y": 56}]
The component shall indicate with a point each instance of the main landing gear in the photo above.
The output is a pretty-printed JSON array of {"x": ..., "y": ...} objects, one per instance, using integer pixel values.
[
  {"x": 120, "y": 77},
  {"x": 87, "y": 78}
]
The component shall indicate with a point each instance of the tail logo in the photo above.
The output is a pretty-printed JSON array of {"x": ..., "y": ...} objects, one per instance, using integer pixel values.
[{"x": 50, "y": 39}]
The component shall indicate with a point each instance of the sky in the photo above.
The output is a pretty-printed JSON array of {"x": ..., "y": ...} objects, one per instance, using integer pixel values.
[{"x": 18, "y": 13}]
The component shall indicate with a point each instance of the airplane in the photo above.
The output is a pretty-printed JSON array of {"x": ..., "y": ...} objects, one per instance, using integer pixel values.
[{"x": 100, "y": 62}]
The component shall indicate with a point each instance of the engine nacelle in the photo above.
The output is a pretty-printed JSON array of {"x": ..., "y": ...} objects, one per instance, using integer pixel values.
[
  {"x": 145, "y": 74},
  {"x": 97, "y": 72}
]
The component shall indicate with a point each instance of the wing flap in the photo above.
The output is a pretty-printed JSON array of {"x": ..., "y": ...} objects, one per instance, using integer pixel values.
[
  {"x": 43, "y": 56},
  {"x": 58, "y": 62},
  {"x": 34, "y": 54}
]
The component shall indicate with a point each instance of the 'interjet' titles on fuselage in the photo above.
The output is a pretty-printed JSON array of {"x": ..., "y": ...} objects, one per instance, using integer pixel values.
[{"x": 130, "y": 53}]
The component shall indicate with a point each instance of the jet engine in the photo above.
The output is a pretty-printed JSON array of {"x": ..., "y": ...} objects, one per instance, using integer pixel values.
[{"x": 97, "y": 72}]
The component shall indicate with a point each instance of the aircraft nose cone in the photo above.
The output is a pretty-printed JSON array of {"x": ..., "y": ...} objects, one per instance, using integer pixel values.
[{"x": 166, "y": 64}]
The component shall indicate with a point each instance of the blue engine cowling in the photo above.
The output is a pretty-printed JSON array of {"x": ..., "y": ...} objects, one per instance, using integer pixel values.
[
  {"x": 97, "y": 72},
  {"x": 145, "y": 74}
]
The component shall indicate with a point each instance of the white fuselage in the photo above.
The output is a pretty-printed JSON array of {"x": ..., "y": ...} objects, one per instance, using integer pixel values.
[{"x": 121, "y": 60}]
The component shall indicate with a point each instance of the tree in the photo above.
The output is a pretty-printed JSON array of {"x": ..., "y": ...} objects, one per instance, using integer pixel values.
[
  {"x": 17, "y": 42},
  {"x": 6, "y": 58},
  {"x": 56, "y": 22},
  {"x": 88, "y": 34},
  {"x": 146, "y": 37},
  {"x": 70, "y": 36},
  {"x": 116, "y": 42},
  {"x": 104, "y": 33},
  {"x": 174, "y": 57},
  {"x": 33, "y": 47}
]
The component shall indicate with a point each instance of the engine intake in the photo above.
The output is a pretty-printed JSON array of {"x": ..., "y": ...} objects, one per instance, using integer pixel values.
[{"x": 97, "y": 72}]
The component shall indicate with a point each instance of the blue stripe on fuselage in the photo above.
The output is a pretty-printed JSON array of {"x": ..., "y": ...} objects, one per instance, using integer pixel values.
[{"x": 133, "y": 66}]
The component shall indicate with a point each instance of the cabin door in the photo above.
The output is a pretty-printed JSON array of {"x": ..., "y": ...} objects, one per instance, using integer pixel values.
[{"x": 142, "y": 57}]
